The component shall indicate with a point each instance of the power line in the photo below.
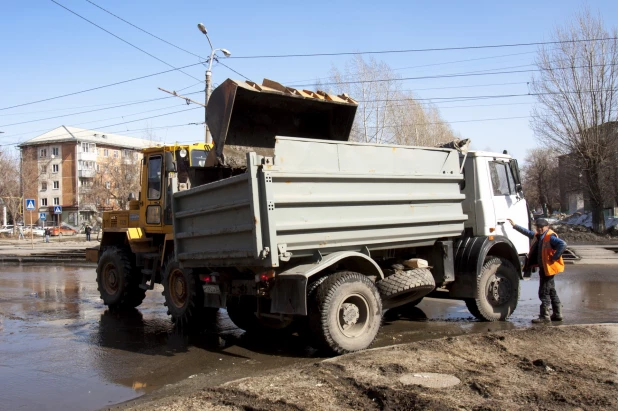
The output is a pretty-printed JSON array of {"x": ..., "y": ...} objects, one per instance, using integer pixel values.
[
  {"x": 99, "y": 87},
  {"x": 147, "y": 32},
  {"x": 123, "y": 40},
  {"x": 163, "y": 40},
  {"x": 489, "y": 46}
]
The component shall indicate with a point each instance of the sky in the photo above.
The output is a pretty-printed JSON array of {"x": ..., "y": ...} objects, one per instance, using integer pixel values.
[{"x": 46, "y": 51}]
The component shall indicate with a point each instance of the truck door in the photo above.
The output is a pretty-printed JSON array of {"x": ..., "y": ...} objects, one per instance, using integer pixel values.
[
  {"x": 508, "y": 203},
  {"x": 154, "y": 193}
]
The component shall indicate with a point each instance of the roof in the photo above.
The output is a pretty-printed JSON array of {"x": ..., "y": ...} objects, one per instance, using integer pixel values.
[{"x": 64, "y": 134}]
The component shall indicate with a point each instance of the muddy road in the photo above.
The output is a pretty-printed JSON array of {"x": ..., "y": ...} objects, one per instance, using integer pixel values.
[{"x": 60, "y": 348}]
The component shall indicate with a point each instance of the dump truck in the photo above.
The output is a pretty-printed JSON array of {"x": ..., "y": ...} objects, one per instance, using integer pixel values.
[{"x": 294, "y": 228}]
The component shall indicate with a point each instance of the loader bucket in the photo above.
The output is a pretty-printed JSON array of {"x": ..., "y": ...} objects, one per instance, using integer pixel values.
[{"x": 245, "y": 116}]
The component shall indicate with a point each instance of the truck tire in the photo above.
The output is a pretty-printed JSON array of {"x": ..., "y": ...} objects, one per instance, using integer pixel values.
[
  {"x": 346, "y": 313},
  {"x": 117, "y": 281},
  {"x": 497, "y": 291},
  {"x": 184, "y": 297},
  {"x": 405, "y": 286},
  {"x": 241, "y": 311}
]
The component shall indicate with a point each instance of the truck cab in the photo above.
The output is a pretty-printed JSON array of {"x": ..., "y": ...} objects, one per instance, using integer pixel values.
[{"x": 493, "y": 194}]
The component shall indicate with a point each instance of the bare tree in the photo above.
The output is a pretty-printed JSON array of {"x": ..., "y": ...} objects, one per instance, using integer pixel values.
[
  {"x": 115, "y": 180},
  {"x": 386, "y": 113},
  {"x": 577, "y": 89},
  {"x": 10, "y": 190},
  {"x": 541, "y": 174}
]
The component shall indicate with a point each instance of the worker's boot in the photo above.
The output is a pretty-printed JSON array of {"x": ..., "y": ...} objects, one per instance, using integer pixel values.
[
  {"x": 543, "y": 315},
  {"x": 557, "y": 312}
]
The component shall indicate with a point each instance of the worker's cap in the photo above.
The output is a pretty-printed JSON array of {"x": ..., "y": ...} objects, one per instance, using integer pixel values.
[{"x": 541, "y": 222}]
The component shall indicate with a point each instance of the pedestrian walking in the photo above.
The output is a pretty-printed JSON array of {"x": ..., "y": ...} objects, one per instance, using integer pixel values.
[
  {"x": 545, "y": 253},
  {"x": 20, "y": 230},
  {"x": 47, "y": 233},
  {"x": 88, "y": 231}
]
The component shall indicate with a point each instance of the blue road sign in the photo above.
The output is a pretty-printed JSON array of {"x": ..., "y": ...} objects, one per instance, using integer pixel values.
[
  {"x": 42, "y": 216},
  {"x": 29, "y": 204},
  {"x": 57, "y": 209}
]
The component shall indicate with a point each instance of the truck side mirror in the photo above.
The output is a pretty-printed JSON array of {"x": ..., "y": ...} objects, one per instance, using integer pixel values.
[{"x": 170, "y": 164}]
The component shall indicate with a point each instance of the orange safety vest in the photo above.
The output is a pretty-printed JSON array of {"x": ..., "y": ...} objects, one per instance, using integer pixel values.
[{"x": 550, "y": 267}]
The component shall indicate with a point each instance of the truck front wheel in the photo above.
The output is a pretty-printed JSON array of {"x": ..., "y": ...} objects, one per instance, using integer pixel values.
[
  {"x": 345, "y": 313},
  {"x": 117, "y": 282},
  {"x": 497, "y": 291},
  {"x": 184, "y": 297}
]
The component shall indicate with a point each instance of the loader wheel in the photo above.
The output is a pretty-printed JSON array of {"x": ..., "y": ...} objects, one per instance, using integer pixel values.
[
  {"x": 345, "y": 313},
  {"x": 405, "y": 287},
  {"x": 242, "y": 311},
  {"x": 497, "y": 291},
  {"x": 184, "y": 297},
  {"x": 117, "y": 281}
]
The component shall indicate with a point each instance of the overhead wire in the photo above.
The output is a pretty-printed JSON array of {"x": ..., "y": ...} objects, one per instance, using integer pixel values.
[{"x": 123, "y": 40}]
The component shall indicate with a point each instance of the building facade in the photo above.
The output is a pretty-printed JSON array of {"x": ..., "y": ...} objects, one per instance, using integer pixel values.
[{"x": 75, "y": 169}]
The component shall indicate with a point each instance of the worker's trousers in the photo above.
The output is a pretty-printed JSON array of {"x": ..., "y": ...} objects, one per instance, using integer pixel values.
[{"x": 547, "y": 290}]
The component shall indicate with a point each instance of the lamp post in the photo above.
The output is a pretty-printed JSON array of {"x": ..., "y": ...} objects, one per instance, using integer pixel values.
[{"x": 213, "y": 50}]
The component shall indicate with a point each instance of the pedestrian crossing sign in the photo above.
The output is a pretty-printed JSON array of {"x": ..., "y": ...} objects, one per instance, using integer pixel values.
[
  {"x": 57, "y": 209},
  {"x": 42, "y": 216},
  {"x": 29, "y": 204}
]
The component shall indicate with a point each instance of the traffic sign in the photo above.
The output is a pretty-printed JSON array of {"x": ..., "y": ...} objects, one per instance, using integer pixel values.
[
  {"x": 57, "y": 209},
  {"x": 42, "y": 216},
  {"x": 29, "y": 204}
]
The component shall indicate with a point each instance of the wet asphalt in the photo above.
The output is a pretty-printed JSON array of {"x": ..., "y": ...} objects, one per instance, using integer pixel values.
[{"x": 61, "y": 349}]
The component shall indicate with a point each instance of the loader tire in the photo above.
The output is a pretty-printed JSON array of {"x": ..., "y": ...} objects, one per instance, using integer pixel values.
[
  {"x": 346, "y": 313},
  {"x": 497, "y": 291},
  {"x": 184, "y": 297},
  {"x": 404, "y": 287},
  {"x": 242, "y": 311},
  {"x": 117, "y": 280}
]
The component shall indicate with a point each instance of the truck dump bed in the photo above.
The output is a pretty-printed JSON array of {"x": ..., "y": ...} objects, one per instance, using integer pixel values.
[{"x": 320, "y": 195}]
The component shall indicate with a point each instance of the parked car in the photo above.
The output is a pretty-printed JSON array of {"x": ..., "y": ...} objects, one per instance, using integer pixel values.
[
  {"x": 38, "y": 231},
  {"x": 62, "y": 230},
  {"x": 6, "y": 229}
]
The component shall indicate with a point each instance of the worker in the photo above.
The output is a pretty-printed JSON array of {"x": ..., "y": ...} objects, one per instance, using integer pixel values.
[{"x": 545, "y": 253}]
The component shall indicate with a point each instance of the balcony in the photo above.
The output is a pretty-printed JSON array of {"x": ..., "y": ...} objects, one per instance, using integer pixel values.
[
  {"x": 86, "y": 156},
  {"x": 90, "y": 173}
]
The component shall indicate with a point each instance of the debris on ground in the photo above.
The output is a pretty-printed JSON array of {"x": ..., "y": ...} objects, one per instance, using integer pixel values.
[
  {"x": 518, "y": 369},
  {"x": 577, "y": 228}
]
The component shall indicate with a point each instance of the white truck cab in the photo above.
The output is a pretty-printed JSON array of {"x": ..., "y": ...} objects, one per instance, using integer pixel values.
[{"x": 493, "y": 194}]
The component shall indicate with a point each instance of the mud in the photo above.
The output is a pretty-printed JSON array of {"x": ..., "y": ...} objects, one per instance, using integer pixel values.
[
  {"x": 61, "y": 349},
  {"x": 508, "y": 370}
]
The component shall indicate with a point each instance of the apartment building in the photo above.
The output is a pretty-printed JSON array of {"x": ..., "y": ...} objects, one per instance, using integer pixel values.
[{"x": 66, "y": 167}]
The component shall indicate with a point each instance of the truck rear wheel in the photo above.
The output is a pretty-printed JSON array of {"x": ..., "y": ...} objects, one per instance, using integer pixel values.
[
  {"x": 118, "y": 284},
  {"x": 497, "y": 291},
  {"x": 184, "y": 297},
  {"x": 345, "y": 313},
  {"x": 242, "y": 312}
]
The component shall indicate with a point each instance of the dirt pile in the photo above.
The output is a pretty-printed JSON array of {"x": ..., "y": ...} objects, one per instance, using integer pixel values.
[{"x": 508, "y": 370}]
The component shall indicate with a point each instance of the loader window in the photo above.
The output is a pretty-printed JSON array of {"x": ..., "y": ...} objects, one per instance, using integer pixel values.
[
  {"x": 154, "y": 177},
  {"x": 501, "y": 179}
]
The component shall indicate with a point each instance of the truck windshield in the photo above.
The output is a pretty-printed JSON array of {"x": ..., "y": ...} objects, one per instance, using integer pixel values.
[{"x": 198, "y": 158}]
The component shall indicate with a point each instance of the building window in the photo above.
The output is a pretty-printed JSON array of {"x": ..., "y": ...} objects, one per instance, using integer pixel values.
[
  {"x": 115, "y": 153},
  {"x": 108, "y": 185},
  {"x": 43, "y": 152},
  {"x": 43, "y": 186},
  {"x": 55, "y": 168},
  {"x": 43, "y": 169},
  {"x": 85, "y": 165},
  {"x": 105, "y": 153},
  {"x": 55, "y": 151},
  {"x": 56, "y": 200},
  {"x": 89, "y": 148},
  {"x": 126, "y": 153},
  {"x": 56, "y": 185},
  {"x": 43, "y": 202},
  {"x": 107, "y": 201}
]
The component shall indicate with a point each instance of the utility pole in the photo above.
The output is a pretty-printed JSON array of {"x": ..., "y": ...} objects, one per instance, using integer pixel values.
[{"x": 226, "y": 53}]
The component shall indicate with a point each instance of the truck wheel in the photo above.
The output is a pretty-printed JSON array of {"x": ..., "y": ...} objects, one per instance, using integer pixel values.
[
  {"x": 497, "y": 291},
  {"x": 241, "y": 311},
  {"x": 405, "y": 286},
  {"x": 117, "y": 282},
  {"x": 346, "y": 313},
  {"x": 184, "y": 296}
]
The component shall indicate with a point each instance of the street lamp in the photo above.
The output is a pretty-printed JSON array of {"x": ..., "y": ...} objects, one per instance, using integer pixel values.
[{"x": 213, "y": 50}]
